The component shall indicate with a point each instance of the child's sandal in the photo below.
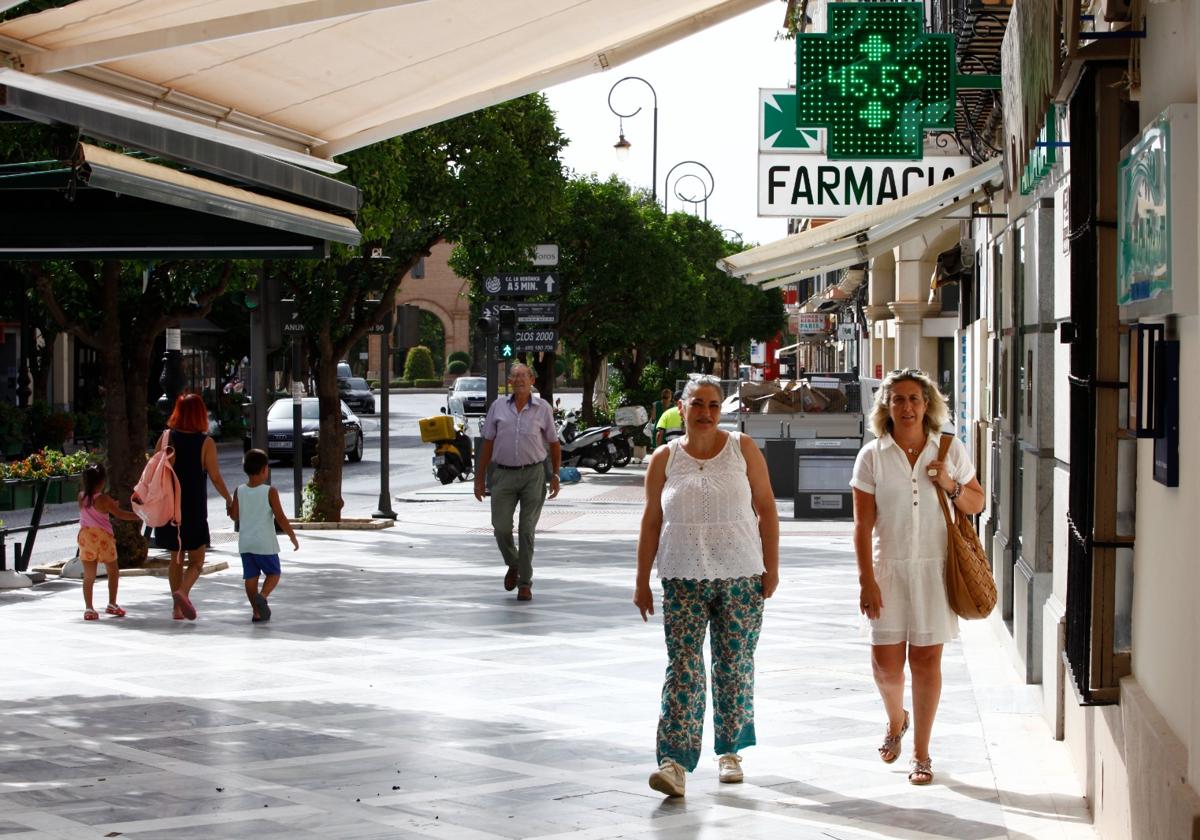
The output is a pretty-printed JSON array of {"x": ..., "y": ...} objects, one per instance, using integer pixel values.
[
  {"x": 91, "y": 615},
  {"x": 113, "y": 609}
]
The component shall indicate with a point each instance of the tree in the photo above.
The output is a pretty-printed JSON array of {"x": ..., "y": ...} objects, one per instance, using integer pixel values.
[
  {"x": 486, "y": 181},
  {"x": 619, "y": 274},
  {"x": 103, "y": 305}
]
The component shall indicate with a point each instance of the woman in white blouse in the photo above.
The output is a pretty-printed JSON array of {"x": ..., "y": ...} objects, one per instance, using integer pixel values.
[
  {"x": 710, "y": 522},
  {"x": 901, "y": 576}
]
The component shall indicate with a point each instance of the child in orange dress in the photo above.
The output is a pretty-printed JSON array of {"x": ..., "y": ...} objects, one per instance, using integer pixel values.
[{"x": 96, "y": 541}]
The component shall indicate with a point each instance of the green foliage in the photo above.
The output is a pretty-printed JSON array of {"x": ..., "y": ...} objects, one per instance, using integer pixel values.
[
  {"x": 457, "y": 367},
  {"x": 427, "y": 383},
  {"x": 433, "y": 336},
  {"x": 46, "y": 463},
  {"x": 310, "y": 501},
  {"x": 400, "y": 383},
  {"x": 12, "y": 429},
  {"x": 460, "y": 355},
  {"x": 419, "y": 363},
  {"x": 560, "y": 366},
  {"x": 373, "y": 383}
]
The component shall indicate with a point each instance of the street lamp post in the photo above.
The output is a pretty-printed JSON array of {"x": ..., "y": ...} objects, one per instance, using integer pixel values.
[
  {"x": 708, "y": 185},
  {"x": 622, "y": 145}
]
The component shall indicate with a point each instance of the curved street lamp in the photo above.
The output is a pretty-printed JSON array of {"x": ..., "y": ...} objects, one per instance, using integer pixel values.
[
  {"x": 622, "y": 145},
  {"x": 709, "y": 185},
  {"x": 734, "y": 232}
]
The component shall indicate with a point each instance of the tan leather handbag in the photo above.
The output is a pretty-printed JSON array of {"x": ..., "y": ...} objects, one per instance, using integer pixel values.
[{"x": 970, "y": 587}]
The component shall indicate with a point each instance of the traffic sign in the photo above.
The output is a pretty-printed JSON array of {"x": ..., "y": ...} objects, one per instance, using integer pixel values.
[
  {"x": 537, "y": 340},
  {"x": 544, "y": 255},
  {"x": 527, "y": 313},
  {"x": 521, "y": 285},
  {"x": 290, "y": 315}
]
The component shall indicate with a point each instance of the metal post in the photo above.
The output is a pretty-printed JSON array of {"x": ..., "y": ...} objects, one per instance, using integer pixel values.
[
  {"x": 490, "y": 366},
  {"x": 385, "y": 352},
  {"x": 258, "y": 381},
  {"x": 297, "y": 437}
]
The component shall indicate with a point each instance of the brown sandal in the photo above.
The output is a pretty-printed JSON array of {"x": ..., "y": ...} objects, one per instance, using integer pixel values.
[
  {"x": 921, "y": 772},
  {"x": 891, "y": 743}
]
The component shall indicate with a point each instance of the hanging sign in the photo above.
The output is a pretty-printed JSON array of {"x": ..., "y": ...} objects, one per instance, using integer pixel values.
[{"x": 813, "y": 186}]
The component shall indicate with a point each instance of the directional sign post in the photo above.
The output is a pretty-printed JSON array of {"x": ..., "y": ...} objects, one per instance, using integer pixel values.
[
  {"x": 544, "y": 255},
  {"x": 527, "y": 313},
  {"x": 537, "y": 340},
  {"x": 520, "y": 285},
  {"x": 289, "y": 312}
]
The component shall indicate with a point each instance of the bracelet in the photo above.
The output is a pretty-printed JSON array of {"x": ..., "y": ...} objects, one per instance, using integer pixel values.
[{"x": 957, "y": 491}]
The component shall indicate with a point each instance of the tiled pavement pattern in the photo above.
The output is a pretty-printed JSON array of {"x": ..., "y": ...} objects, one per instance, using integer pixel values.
[{"x": 400, "y": 692}]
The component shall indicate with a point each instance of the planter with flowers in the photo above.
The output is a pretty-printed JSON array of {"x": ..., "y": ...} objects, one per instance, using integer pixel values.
[{"x": 19, "y": 480}]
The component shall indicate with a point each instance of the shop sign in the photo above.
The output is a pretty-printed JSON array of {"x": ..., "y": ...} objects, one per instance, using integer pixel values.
[
  {"x": 876, "y": 80},
  {"x": 1044, "y": 155},
  {"x": 847, "y": 332},
  {"x": 814, "y": 186},
  {"x": 809, "y": 323},
  {"x": 1155, "y": 195},
  {"x": 777, "y": 131}
]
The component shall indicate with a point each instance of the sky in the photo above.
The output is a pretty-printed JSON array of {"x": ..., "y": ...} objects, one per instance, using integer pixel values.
[{"x": 707, "y": 88}]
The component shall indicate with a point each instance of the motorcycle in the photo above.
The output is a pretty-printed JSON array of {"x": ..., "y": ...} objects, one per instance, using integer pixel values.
[
  {"x": 452, "y": 455},
  {"x": 629, "y": 420},
  {"x": 588, "y": 448}
]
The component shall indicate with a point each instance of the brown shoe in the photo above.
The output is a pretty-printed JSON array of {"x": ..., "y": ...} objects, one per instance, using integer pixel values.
[
  {"x": 525, "y": 593},
  {"x": 510, "y": 579}
]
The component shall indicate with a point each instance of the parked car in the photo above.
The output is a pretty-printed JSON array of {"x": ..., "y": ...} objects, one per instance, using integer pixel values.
[
  {"x": 357, "y": 394},
  {"x": 279, "y": 430},
  {"x": 468, "y": 396}
]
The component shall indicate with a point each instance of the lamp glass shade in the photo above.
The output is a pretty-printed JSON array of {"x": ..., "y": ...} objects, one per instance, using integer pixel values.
[{"x": 622, "y": 147}]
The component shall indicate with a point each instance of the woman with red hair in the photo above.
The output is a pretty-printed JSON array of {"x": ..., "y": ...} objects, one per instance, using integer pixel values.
[{"x": 195, "y": 463}]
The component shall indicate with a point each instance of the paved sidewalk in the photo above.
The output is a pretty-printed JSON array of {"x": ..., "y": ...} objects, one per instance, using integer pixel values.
[{"x": 400, "y": 692}]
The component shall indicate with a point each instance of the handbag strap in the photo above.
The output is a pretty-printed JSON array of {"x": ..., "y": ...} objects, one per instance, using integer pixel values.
[{"x": 943, "y": 448}]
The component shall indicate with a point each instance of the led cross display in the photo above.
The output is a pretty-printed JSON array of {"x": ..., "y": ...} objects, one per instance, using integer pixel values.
[{"x": 876, "y": 80}]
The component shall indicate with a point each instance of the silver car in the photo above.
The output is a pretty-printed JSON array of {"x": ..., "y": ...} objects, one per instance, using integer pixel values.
[{"x": 467, "y": 397}]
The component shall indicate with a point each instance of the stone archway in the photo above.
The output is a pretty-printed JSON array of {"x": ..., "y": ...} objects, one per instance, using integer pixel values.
[{"x": 435, "y": 288}]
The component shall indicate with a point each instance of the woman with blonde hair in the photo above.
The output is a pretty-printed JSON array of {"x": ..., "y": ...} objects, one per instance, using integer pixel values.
[{"x": 900, "y": 545}]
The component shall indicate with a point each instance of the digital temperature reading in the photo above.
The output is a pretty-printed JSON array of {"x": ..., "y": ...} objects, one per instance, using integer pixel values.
[{"x": 876, "y": 80}]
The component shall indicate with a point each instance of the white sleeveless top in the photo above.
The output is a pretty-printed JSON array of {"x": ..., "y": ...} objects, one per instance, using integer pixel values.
[{"x": 710, "y": 529}]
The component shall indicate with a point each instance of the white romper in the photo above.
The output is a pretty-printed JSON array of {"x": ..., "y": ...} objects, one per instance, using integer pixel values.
[{"x": 909, "y": 544}]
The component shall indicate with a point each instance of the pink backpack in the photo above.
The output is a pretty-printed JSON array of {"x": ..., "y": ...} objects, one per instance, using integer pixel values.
[{"x": 155, "y": 497}]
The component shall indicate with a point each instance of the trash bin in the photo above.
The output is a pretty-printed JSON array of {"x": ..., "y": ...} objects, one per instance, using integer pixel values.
[
  {"x": 823, "y": 469},
  {"x": 781, "y": 466}
]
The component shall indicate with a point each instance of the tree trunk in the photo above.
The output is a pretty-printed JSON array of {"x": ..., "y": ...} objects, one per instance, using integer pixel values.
[
  {"x": 589, "y": 388},
  {"x": 123, "y": 417},
  {"x": 331, "y": 446}
]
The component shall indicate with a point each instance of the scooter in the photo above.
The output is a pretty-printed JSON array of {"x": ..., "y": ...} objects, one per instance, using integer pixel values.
[
  {"x": 452, "y": 456},
  {"x": 588, "y": 448}
]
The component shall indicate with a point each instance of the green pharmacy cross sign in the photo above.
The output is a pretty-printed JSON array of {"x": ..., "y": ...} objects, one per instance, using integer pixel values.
[{"x": 877, "y": 81}]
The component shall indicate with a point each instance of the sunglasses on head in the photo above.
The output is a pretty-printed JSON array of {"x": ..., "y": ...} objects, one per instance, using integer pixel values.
[{"x": 907, "y": 372}]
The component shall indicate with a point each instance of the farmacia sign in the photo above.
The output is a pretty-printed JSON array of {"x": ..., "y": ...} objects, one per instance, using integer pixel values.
[{"x": 813, "y": 186}]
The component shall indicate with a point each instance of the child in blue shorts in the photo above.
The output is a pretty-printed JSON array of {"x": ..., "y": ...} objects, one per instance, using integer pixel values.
[{"x": 256, "y": 509}]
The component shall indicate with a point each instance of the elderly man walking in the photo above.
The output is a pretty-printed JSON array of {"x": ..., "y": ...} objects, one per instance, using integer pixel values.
[{"x": 517, "y": 432}]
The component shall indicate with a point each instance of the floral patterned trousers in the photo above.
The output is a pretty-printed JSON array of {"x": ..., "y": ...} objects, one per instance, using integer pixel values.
[{"x": 731, "y": 610}]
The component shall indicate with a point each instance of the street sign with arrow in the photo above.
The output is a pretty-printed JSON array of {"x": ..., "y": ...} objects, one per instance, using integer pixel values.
[{"x": 520, "y": 285}]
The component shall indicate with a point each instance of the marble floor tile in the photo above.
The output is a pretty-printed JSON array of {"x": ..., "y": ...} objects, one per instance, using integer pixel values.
[{"x": 400, "y": 692}]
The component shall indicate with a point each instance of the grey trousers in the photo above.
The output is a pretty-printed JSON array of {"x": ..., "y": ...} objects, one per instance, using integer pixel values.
[{"x": 526, "y": 487}]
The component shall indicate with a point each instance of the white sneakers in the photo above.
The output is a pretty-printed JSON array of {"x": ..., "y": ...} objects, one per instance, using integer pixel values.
[
  {"x": 669, "y": 778},
  {"x": 729, "y": 768}
]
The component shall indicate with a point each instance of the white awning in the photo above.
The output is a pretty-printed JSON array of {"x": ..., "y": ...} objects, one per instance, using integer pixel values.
[
  {"x": 306, "y": 80},
  {"x": 860, "y": 237}
]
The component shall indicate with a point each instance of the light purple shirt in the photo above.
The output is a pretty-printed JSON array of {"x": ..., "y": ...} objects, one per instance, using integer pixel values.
[{"x": 519, "y": 438}]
